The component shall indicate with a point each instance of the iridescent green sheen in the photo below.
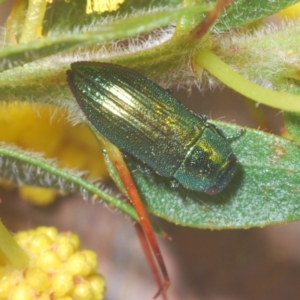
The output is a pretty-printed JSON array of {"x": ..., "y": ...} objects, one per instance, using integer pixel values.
[{"x": 145, "y": 121}]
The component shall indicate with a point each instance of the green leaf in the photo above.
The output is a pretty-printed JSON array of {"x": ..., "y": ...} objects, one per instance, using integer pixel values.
[
  {"x": 241, "y": 12},
  {"x": 265, "y": 189},
  {"x": 12, "y": 56},
  {"x": 23, "y": 167},
  {"x": 262, "y": 192},
  {"x": 265, "y": 56},
  {"x": 64, "y": 15}
]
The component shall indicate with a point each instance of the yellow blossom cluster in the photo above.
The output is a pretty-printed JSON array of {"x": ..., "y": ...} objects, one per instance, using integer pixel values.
[
  {"x": 291, "y": 12},
  {"x": 57, "y": 269},
  {"x": 45, "y": 129},
  {"x": 100, "y": 6}
]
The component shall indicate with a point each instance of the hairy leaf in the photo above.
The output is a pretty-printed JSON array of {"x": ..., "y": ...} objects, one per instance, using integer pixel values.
[
  {"x": 241, "y": 12},
  {"x": 265, "y": 189},
  {"x": 12, "y": 56},
  {"x": 23, "y": 167}
]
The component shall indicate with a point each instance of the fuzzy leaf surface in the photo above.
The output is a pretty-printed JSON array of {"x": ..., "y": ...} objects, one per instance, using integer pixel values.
[
  {"x": 12, "y": 56},
  {"x": 265, "y": 189},
  {"x": 75, "y": 13},
  {"x": 240, "y": 12},
  {"x": 23, "y": 167}
]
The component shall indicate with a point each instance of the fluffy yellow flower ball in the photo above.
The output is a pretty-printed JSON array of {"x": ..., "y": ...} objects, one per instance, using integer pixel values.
[
  {"x": 291, "y": 12},
  {"x": 45, "y": 129},
  {"x": 58, "y": 269}
]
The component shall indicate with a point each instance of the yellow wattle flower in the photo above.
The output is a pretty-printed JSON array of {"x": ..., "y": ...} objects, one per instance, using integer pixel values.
[
  {"x": 57, "y": 269},
  {"x": 45, "y": 129},
  {"x": 101, "y": 6},
  {"x": 291, "y": 12}
]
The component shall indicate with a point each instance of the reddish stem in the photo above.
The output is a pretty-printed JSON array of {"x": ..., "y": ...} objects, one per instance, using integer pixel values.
[
  {"x": 149, "y": 241},
  {"x": 149, "y": 256},
  {"x": 202, "y": 28}
]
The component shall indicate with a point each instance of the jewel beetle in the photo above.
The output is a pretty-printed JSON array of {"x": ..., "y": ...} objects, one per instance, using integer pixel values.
[{"x": 147, "y": 122}]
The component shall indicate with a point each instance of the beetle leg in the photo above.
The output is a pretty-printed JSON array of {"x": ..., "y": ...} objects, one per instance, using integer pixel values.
[
  {"x": 236, "y": 135},
  {"x": 221, "y": 133},
  {"x": 174, "y": 183},
  {"x": 144, "y": 169},
  {"x": 170, "y": 91},
  {"x": 140, "y": 165},
  {"x": 218, "y": 130},
  {"x": 204, "y": 118}
]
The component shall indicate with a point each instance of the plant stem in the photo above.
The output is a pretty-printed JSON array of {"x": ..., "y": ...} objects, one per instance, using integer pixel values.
[
  {"x": 33, "y": 22},
  {"x": 213, "y": 64}
]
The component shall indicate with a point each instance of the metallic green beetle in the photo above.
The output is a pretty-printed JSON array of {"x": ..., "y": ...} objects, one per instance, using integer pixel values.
[{"x": 145, "y": 121}]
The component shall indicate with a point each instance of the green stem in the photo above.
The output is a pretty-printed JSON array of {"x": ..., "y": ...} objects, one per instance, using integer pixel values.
[
  {"x": 33, "y": 22},
  {"x": 214, "y": 65},
  {"x": 14, "y": 24},
  {"x": 10, "y": 249}
]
